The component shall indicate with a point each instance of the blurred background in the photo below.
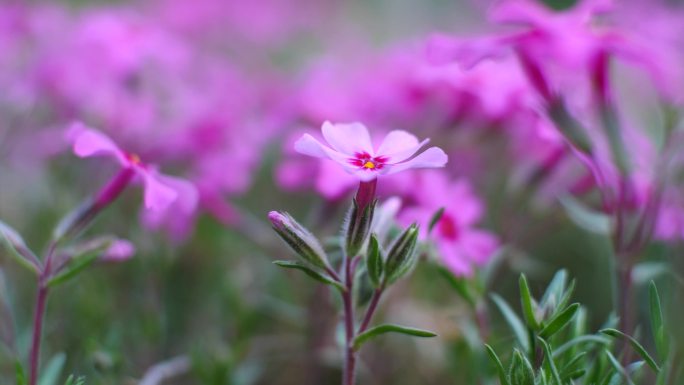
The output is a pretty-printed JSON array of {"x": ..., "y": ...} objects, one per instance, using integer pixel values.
[{"x": 216, "y": 91}]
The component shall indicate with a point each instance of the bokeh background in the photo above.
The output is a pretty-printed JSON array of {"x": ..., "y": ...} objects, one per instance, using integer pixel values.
[{"x": 216, "y": 91}]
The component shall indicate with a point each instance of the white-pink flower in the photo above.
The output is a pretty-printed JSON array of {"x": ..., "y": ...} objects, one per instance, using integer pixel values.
[{"x": 350, "y": 146}]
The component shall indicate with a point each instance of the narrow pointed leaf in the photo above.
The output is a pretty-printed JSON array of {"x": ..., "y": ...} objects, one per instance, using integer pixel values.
[
  {"x": 635, "y": 345},
  {"x": 19, "y": 373},
  {"x": 565, "y": 299},
  {"x": 572, "y": 365},
  {"x": 513, "y": 321},
  {"x": 374, "y": 261},
  {"x": 558, "y": 322},
  {"x": 80, "y": 261},
  {"x": 435, "y": 219},
  {"x": 389, "y": 328},
  {"x": 503, "y": 378},
  {"x": 580, "y": 340},
  {"x": 16, "y": 246},
  {"x": 618, "y": 368},
  {"x": 311, "y": 273},
  {"x": 548, "y": 357},
  {"x": 586, "y": 218},
  {"x": 52, "y": 371},
  {"x": 556, "y": 288},
  {"x": 657, "y": 319},
  {"x": 527, "y": 303}
]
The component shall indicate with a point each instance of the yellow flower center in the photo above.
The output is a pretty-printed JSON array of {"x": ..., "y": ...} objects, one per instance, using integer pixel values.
[
  {"x": 369, "y": 165},
  {"x": 134, "y": 158}
]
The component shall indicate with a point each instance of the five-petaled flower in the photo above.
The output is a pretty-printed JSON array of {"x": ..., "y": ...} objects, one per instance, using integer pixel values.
[
  {"x": 161, "y": 191},
  {"x": 351, "y": 147}
]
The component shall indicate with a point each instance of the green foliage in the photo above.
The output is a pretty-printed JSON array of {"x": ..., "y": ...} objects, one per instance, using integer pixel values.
[
  {"x": 561, "y": 352},
  {"x": 311, "y": 273},
  {"x": 389, "y": 328},
  {"x": 375, "y": 262}
]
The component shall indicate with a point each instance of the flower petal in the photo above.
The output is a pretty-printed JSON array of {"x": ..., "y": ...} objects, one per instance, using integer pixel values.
[
  {"x": 455, "y": 260},
  {"x": 119, "y": 251},
  {"x": 88, "y": 142},
  {"x": 479, "y": 245},
  {"x": 399, "y": 145},
  {"x": 158, "y": 195},
  {"x": 432, "y": 157},
  {"x": 308, "y": 145},
  {"x": 347, "y": 138}
]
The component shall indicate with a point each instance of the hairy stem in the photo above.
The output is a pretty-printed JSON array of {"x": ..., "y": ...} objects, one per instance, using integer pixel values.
[{"x": 348, "y": 377}]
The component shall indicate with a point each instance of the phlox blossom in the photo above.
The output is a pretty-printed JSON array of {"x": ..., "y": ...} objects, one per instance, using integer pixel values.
[
  {"x": 350, "y": 146},
  {"x": 461, "y": 245},
  {"x": 161, "y": 191}
]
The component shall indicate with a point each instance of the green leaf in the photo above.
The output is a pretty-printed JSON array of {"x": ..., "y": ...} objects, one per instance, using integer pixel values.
[
  {"x": 548, "y": 358},
  {"x": 579, "y": 340},
  {"x": 53, "y": 370},
  {"x": 83, "y": 256},
  {"x": 513, "y": 321},
  {"x": 618, "y": 368},
  {"x": 19, "y": 373},
  {"x": 528, "y": 305},
  {"x": 374, "y": 261},
  {"x": 558, "y": 322},
  {"x": 567, "y": 295},
  {"x": 520, "y": 372},
  {"x": 435, "y": 219},
  {"x": 17, "y": 248},
  {"x": 584, "y": 217},
  {"x": 75, "y": 381},
  {"x": 657, "y": 320},
  {"x": 573, "y": 375},
  {"x": 389, "y": 328},
  {"x": 503, "y": 378},
  {"x": 556, "y": 288},
  {"x": 635, "y": 345},
  {"x": 572, "y": 366},
  {"x": 311, "y": 273}
]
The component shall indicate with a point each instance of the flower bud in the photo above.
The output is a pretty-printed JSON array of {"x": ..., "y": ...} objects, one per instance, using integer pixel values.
[
  {"x": 358, "y": 227},
  {"x": 402, "y": 256},
  {"x": 299, "y": 238}
]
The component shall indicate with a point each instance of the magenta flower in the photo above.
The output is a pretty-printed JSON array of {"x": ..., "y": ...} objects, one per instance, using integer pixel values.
[
  {"x": 351, "y": 147},
  {"x": 462, "y": 246},
  {"x": 160, "y": 190}
]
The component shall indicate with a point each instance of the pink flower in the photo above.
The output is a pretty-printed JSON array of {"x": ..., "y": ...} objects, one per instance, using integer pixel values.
[
  {"x": 351, "y": 147},
  {"x": 119, "y": 251},
  {"x": 160, "y": 190},
  {"x": 461, "y": 245}
]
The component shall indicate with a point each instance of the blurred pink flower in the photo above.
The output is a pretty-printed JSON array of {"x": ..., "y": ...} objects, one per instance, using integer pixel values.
[
  {"x": 461, "y": 245},
  {"x": 161, "y": 191},
  {"x": 120, "y": 250},
  {"x": 351, "y": 147}
]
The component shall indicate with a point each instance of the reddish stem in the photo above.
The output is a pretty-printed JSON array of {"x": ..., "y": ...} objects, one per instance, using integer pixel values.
[
  {"x": 39, "y": 315},
  {"x": 347, "y": 297},
  {"x": 34, "y": 360},
  {"x": 375, "y": 300}
]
